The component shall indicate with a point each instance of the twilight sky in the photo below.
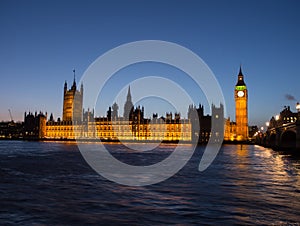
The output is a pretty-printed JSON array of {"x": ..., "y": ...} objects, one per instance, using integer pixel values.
[{"x": 41, "y": 42}]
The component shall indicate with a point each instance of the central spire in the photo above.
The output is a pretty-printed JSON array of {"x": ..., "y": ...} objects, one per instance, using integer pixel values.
[
  {"x": 129, "y": 94},
  {"x": 128, "y": 106}
]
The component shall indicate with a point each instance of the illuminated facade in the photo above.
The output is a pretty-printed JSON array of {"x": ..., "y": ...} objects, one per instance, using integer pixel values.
[
  {"x": 72, "y": 104},
  {"x": 239, "y": 130},
  {"x": 230, "y": 130},
  {"x": 121, "y": 130},
  {"x": 131, "y": 127},
  {"x": 241, "y": 108}
]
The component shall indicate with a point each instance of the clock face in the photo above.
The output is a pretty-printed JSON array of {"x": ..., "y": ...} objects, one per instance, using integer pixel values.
[{"x": 240, "y": 93}]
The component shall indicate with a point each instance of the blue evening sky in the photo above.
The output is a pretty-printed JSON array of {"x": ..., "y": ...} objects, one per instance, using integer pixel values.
[{"x": 42, "y": 41}]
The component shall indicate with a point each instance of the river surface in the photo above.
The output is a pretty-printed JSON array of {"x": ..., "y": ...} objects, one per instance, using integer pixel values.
[{"x": 49, "y": 183}]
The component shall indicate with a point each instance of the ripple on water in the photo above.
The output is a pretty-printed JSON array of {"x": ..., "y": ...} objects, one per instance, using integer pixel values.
[{"x": 49, "y": 183}]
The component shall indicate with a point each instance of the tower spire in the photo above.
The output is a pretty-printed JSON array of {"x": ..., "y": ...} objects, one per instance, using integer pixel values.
[
  {"x": 240, "y": 81},
  {"x": 65, "y": 86},
  {"x": 240, "y": 72},
  {"x": 74, "y": 75},
  {"x": 74, "y": 81}
]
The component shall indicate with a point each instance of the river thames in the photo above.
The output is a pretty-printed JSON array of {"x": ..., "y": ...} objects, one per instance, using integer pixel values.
[{"x": 49, "y": 183}]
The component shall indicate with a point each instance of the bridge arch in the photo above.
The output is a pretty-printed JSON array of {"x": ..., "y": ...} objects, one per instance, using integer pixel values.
[
  {"x": 272, "y": 140},
  {"x": 264, "y": 140},
  {"x": 288, "y": 139}
]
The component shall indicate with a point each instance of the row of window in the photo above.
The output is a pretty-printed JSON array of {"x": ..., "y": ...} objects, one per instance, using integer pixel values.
[
  {"x": 124, "y": 134},
  {"x": 71, "y": 128},
  {"x": 290, "y": 119}
]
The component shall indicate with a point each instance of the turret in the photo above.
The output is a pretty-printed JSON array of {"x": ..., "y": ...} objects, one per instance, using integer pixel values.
[
  {"x": 65, "y": 87},
  {"x": 51, "y": 118}
]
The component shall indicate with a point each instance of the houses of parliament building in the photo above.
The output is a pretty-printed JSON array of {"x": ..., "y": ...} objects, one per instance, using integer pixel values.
[
  {"x": 76, "y": 123},
  {"x": 79, "y": 124}
]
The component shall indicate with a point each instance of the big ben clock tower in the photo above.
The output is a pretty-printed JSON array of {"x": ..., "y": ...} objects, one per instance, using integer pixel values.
[{"x": 241, "y": 108}]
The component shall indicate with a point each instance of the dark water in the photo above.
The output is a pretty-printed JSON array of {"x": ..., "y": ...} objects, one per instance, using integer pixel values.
[{"x": 45, "y": 183}]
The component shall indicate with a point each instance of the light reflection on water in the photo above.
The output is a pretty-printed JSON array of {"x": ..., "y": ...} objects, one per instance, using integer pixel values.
[
  {"x": 267, "y": 185},
  {"x": 50, "y": 183}
]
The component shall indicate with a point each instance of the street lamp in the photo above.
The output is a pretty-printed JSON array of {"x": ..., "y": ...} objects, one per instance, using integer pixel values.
[
  {"x": 267, "y": 124},
  {"x": 298, "y": 106},
  {"x": 277, "y": 117},
  {"x": 298, "y": 127}
]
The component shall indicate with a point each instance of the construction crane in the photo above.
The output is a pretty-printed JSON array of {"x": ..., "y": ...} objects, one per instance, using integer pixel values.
[{"x": 11, "y": 118}]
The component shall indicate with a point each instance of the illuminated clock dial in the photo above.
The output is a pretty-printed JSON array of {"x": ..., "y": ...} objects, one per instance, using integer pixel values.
[{"x": 240, "y": 93}]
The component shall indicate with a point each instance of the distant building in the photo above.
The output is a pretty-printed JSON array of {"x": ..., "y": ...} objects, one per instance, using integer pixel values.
[
  {"x": 253, "y": 130},
  {"x": 34, "y": 125},
  {"x": 230, "y": 130},
  {"x": 11, "y": 130},
  {"x": 202, "y": 124},
  {"x": 286, "y": 116}
]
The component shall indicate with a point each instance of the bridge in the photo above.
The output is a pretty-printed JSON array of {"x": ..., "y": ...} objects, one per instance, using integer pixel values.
[{"x": 283, "y": 131}]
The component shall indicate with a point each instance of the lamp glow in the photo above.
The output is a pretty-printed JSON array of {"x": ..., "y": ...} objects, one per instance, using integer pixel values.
[{"x": 298, "y": 106}]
